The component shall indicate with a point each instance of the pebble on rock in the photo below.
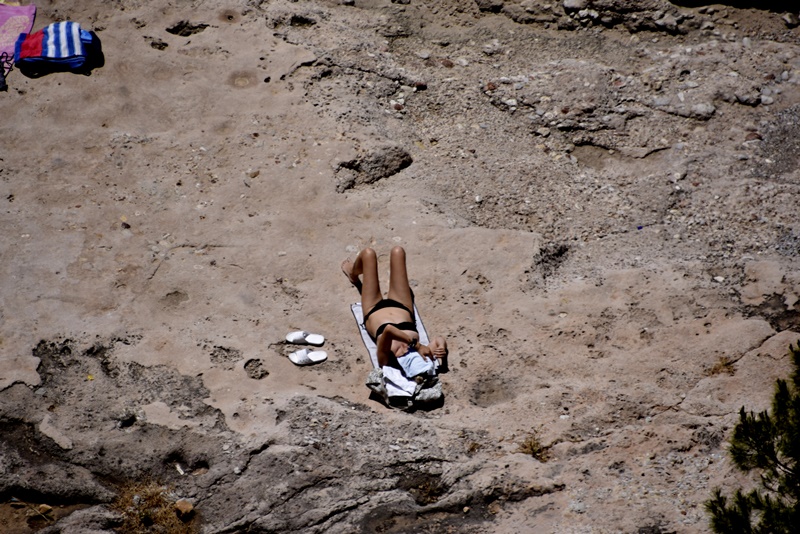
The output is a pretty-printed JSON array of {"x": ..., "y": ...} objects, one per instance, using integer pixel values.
[
  {"x": 703, "y": 111},
  {"x": 575, "y": 5},
  {"x": 184, "y": 508},
  {"x": 668, "y": 22}
]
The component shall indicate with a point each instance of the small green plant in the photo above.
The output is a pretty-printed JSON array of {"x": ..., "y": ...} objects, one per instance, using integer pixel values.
[
  {"x": 533, "y": 446},
  {"x": 769, "y": 444},
  {"x": 147, "y": 506}
]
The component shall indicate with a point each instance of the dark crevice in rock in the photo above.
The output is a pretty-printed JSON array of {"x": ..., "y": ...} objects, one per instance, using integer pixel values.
[
  {"x": 549, "y": 258},
  {"x": 28, "y": 443},
  {"x": 185, "y": 28},
  {"x": 36, "y": 469},
  {"x": 399, "y": 520},
  {"x": 301, "y": 21},
  {"x": 425, "y": 488},
  {"x": 775, "y": 312},
  {"x": 394, "y": 75},
  {"x": 188, "y": 460}
]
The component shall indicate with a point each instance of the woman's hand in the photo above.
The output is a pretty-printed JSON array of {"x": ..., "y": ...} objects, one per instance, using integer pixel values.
[
  {"x": 439, "y": 346},
  {"x": 425, "y": 351},
  {"x": 439, "y": 351}
]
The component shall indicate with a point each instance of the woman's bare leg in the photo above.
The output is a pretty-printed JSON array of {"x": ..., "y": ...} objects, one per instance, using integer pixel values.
[
  {"x": 366, "y": 265},
  {"x": 347, "y": 269},
  {"x": 399, "y": 289}
]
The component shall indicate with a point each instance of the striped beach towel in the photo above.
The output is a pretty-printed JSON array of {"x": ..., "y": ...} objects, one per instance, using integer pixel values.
[{"x": 57, "y": 47}]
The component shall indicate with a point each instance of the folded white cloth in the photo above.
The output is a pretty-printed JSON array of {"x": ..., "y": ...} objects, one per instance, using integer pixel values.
[{"x": 396, "y": 384}]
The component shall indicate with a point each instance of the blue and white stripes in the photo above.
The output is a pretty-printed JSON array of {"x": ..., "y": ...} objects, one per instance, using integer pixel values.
[{"x": 62, "y": 40}]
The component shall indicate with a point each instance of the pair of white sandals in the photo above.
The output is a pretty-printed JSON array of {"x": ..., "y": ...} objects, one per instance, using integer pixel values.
[{"x": 306, "y": 356}]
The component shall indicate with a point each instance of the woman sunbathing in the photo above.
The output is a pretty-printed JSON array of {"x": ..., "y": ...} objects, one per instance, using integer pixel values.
[{"x": 390, "y": 321}]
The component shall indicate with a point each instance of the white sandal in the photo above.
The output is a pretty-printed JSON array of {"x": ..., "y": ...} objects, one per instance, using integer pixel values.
[
  {"x": 308, "y": 357},
  {"x": 301, "y": 337}
]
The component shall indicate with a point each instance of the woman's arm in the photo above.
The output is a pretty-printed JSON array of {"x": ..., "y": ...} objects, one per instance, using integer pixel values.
[
  {"x": 384, "y": 342},
  {"x": 424, "y": 350}
]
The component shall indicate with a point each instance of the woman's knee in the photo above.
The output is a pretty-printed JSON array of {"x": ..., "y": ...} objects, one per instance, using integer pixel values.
[
  {"x": 368, "y": 253},
  {"x": 398, "y": 252}
]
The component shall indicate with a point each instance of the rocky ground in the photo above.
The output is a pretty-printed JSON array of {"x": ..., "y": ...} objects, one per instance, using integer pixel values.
[{"x": 598, "y": 200}]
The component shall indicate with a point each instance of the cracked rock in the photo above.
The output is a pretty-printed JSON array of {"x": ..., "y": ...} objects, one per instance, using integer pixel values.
[{"x": 372, "y": 166}]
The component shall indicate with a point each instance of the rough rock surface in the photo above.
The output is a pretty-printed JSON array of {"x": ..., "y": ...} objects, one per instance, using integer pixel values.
[
  {"x": 373, "y": 166},
  {"x": 598, "y": 200}
]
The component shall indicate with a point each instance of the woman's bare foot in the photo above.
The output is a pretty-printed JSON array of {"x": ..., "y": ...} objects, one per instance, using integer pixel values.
[{"x": 347, "y": 269}]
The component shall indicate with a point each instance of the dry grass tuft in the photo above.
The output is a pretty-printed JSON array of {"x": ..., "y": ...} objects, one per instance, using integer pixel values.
[
  {"x": 533, "y": 446},
  {"x": 147, "y": 507},
  {"x": 473, "y": 447},
  {"x": 428, "y": 492},
  {"x": 723, "y": 365}
]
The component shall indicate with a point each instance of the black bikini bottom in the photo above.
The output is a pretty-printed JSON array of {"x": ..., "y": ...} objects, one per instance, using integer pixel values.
[
  {"x": 390, "y": 303},
  {"x": 399, "y": 326}
]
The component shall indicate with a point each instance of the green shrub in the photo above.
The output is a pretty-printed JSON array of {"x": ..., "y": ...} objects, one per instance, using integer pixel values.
[{"x": 769, "y": 444}]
